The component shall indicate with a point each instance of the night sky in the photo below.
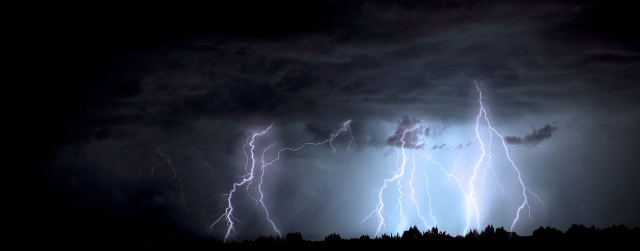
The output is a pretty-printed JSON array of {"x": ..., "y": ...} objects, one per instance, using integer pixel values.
[{"x": 134, "y": 122}]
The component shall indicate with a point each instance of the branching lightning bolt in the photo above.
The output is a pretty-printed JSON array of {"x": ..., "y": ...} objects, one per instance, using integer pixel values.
[
  {"x": 525, "y": 201},
  {"x": 471, "y": 188},
  {"x": 254, "y": 171},
  {"x": 468, "y": 180},
  {"x": 177, "y": 176},
  {"x": 251, "y": 167},
  {"x": 397, "y": 177}
]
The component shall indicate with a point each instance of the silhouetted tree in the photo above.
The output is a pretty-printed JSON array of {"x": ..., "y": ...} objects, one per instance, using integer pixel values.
[
  {"x": 488, "y": 233},
  {"x": 548, "y": 233},
  {"x": 581, "y": 232},
  {"x": 435, "y": 235},
  {"x": 365, "y": 237},
  {"x": 472, "y": 235},
  {"x": 294, "y": 237},
  {"x": 502, "y": 234},
  {"x": 386, "y": 237},
  {"x": 616, "y": 233},
  {"x": 333, "y": 237},
  {"x": 412, "y": 234}
]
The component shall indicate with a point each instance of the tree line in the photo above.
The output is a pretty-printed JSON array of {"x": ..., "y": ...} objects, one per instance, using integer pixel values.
[{"x": 575, "y": 236}]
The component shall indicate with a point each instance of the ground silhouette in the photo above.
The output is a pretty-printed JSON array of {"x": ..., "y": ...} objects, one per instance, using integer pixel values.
[{"x": 577, "y": 236}]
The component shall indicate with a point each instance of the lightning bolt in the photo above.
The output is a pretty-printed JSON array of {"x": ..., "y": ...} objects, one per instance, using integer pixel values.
[
  {"x": 397, "y": 178},
  {"x": 413, "y": 191},
  {"x": 470, "y": 200},
  {"x": 252, "y": 167},
  {"x": 467, "y": 179},
  {"x": 470, "y": 184},
  {"x": 177, "y": 176},
  {"x": 525, "y": 201}
]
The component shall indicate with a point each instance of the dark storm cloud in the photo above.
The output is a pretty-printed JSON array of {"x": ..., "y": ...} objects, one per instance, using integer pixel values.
[
  {"x": 176, "y": 76},
  {"x": 358, "y": 53},
  {"x": 352, "y": 71},
  {"x": 407, "y": 134},
  {"x": 537, "y": 136},
  {"x": 318, "y": 132},
  {"x": 233, "y": 98}
]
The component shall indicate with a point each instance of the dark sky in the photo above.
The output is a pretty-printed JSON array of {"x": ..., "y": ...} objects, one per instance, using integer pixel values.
[{"x": 132, "y": 121}]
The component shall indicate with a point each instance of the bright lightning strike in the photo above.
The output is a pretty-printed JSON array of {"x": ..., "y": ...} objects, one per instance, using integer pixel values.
[
  {"x": 468, "y": 182},
  {"x": 405, "y": 197},
  {"x": 254, "y": 170}
]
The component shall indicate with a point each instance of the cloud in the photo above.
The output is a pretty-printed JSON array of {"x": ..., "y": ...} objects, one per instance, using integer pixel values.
[
  {"x": 406, "y": 132},
  {"x": 534, "y": 138},
  {"x": 318, "y": 132},
  {"x": 442, "y": 146}
]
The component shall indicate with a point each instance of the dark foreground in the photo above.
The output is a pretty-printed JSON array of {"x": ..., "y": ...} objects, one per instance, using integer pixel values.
[{"x": 576, "y": 237}]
